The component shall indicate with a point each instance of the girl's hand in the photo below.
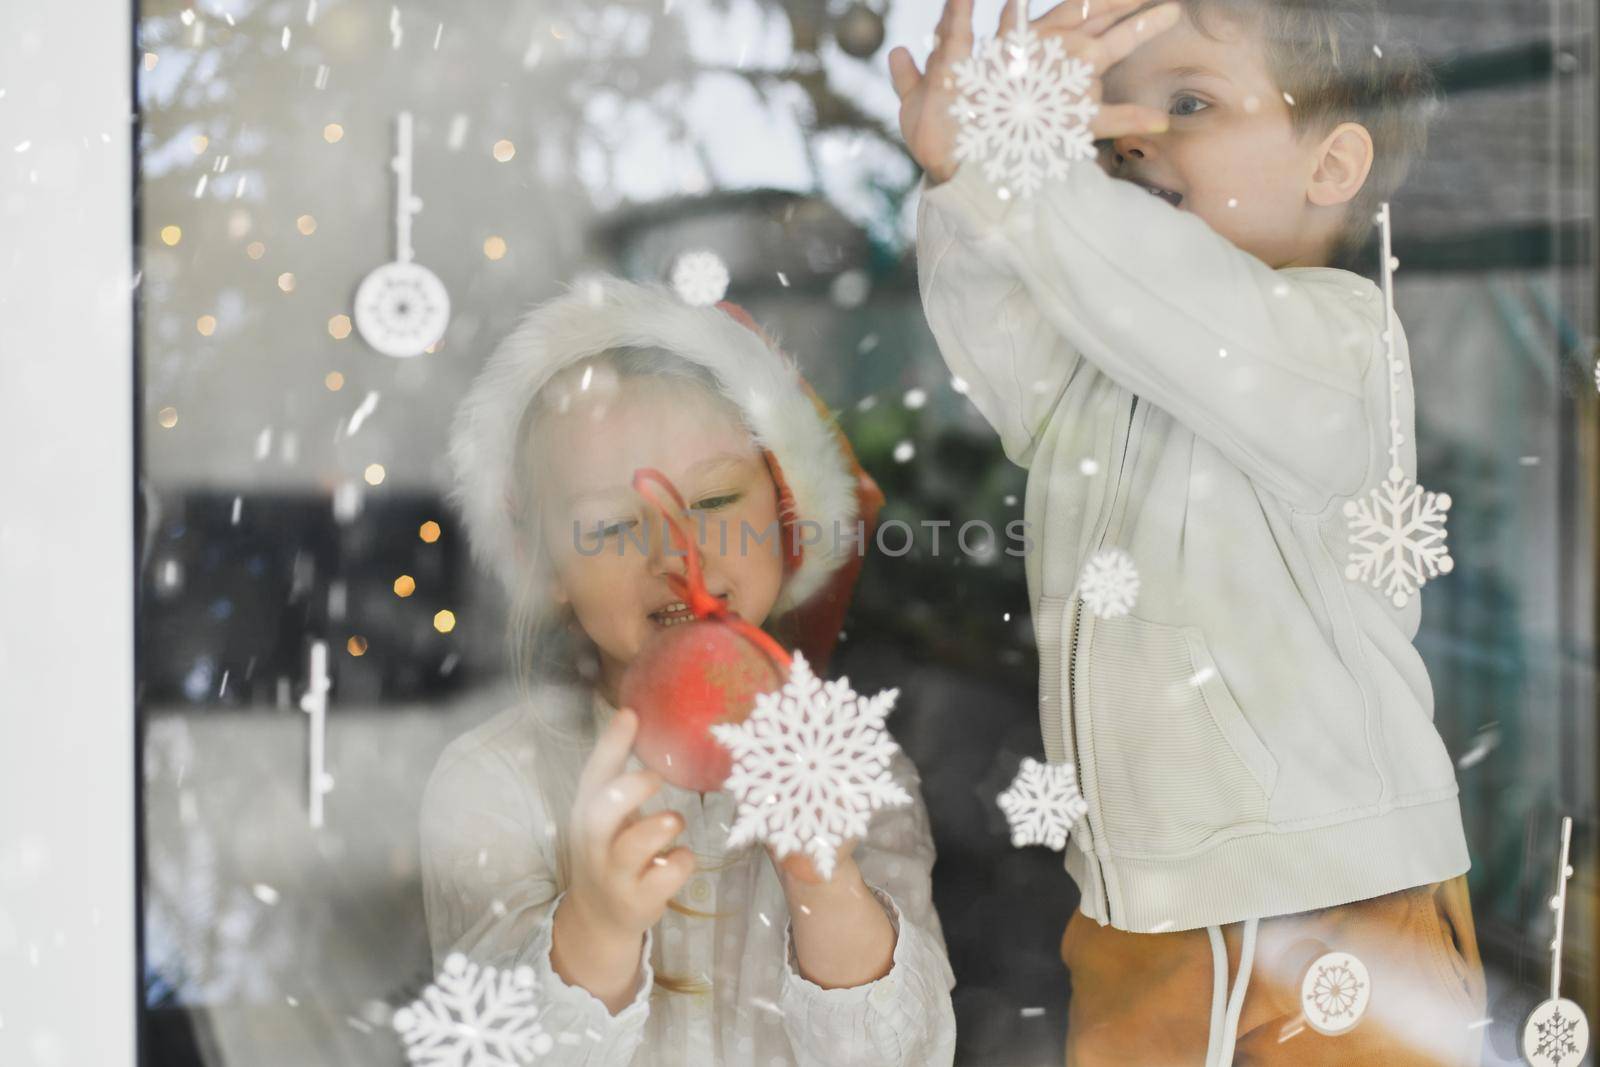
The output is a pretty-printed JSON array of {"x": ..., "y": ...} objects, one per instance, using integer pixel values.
[
  {"x": 1089, "y": 29},
  {"x": 621, "y": 882},
  {"x": 797, "y": 869}
]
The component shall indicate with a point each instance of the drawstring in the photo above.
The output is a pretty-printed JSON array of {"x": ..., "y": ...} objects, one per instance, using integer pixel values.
[{"x": 1226, "y": 1005}]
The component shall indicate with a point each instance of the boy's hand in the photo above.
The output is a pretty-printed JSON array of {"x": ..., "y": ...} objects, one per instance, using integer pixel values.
[{"x": 1089, "y": 29}]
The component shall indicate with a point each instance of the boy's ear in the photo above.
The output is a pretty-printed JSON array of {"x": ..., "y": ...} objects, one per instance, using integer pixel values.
[{"x": 1344, "y": 160}]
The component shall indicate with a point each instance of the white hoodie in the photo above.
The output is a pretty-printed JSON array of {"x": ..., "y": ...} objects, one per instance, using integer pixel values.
[{"x": 1257, "y": 737}]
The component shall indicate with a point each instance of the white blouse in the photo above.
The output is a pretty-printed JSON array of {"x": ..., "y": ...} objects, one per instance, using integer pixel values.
[{"x": 490, "y": 888}]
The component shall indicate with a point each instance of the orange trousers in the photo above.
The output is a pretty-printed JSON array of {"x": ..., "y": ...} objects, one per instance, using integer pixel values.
[{"x": 1145, "y": 1000}]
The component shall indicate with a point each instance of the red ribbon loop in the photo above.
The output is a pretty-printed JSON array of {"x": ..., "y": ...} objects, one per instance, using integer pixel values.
[{"x": 692, "y": 588}]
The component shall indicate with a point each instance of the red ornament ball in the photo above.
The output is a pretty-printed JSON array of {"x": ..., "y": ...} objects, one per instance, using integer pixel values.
[{"x": 686, "y": 679}]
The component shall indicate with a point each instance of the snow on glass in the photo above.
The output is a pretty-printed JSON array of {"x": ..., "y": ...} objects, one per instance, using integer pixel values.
[
  {"x": 474, "y": 1016},
  {"x": 700, "y": 278},
  {"x": 1023, "y": 110},
  {"x": 810, "y": 765}
]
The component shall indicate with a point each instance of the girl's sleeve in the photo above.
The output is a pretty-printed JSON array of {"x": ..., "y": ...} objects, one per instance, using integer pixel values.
[
  {"x": 490, "y": 894},
  {"x": 1269, "y": 366},
  {"x": 905, "y": 1018}
]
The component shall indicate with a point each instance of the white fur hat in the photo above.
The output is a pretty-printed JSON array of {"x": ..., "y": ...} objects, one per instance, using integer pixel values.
[{"x": 602, "y": 313}]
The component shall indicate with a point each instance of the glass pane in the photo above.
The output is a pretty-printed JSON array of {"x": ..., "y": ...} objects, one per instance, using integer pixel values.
[{"x": 347, "y": 208}]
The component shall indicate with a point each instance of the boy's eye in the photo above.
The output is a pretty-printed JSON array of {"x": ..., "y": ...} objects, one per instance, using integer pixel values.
[
  {"x": 714, "y": 503},
  {"x": 1188, "y": 105},
  {"x": 611, "y": 529}
]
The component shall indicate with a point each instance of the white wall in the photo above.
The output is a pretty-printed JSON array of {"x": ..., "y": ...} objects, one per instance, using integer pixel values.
[{"x": 67, "y": 971}]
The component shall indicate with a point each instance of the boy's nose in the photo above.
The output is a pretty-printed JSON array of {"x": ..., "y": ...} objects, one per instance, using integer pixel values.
[{"x": 1131, "y": 147}]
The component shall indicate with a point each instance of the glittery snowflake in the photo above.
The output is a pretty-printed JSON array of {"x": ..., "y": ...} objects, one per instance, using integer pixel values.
[
  {"x": 1556, "y": 1034},
  {"x": 474, "y": 1016},
  {"x": 1109, "y": 584},
  {"x": 1397, "y": 538},
  {"x": 1042, "y": 803},
  {"x": 810, "y": 765},
  {"x": 1024, "y": 110},
  {"x": 700, "y": 278},
  {"x": 1335, "y": 991}
]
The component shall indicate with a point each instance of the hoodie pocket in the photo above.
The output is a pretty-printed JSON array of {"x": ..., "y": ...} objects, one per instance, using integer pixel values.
[{"x": 1175, "y": 760}]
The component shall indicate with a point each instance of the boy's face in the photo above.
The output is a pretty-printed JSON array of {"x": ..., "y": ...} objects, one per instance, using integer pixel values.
[{"x": 1231, "y": 154}]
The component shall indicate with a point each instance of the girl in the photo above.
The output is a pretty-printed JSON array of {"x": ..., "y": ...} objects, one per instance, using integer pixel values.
[{"x": 543, "y": 842}]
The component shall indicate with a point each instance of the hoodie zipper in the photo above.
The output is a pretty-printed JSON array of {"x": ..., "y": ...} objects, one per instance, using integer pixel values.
[{"x": 1072, "y": 661}]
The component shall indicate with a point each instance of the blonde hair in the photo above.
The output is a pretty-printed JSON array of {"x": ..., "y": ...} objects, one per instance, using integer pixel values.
[
  {"x": 547, "y": 647},
  {"x": 1337, "y": 63}
]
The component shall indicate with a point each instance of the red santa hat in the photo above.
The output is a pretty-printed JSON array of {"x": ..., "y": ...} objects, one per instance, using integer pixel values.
[{"x": 818, "y": 478}]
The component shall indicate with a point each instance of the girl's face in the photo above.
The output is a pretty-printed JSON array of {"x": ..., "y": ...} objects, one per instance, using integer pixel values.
[{"x": 610, "y": 550}]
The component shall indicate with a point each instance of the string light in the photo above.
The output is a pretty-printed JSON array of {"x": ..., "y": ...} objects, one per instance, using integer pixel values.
[
  {"x": 429, "y": 531},
  {"x": 444, "y": 621},
  {"x": 405, "y": 585}
]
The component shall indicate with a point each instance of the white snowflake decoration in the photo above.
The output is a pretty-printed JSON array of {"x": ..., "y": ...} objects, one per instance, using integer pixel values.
[
  {"x": 1397, "y": 534},
  {"x": 474, "y": 1016},
  {"x": 1024, "y": 110},
  {"x": 1557, "y": 1031},
  {"x": 1335, "y": 992},
  {"x": 1042, "y": 803},
  {"x": 1397, "y": 537},
  {"x": 1556, "y": 1034},
  {"x": 1109, "y": 584},
  {"x": 700, "y": 278},
  {"x": 810, "y": 765}
]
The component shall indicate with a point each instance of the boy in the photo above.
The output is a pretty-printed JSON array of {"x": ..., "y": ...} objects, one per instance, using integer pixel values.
[{"x": 1163, "y": 343}]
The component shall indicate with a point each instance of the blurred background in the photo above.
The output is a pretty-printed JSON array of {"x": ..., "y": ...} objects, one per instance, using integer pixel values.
[{"x": 292, "y": 479}]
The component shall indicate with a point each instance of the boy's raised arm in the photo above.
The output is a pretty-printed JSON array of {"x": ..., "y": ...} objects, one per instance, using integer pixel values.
[
  {"x": 1010, "y": 361},
  {"x": 1267, "y": 365}
]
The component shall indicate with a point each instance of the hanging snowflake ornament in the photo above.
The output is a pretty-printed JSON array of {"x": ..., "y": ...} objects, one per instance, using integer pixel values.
[
  {"x": 1397, "y": 532},
  {"x": 402, "y": 308},
  {"x": 1334, "y": 993},
  {"x": 1397, "y": 537},
  {"x": 1556, "y": 1035},
  {"x": 474, "y": 1016},
  {"x": 1109, "y": 584},
  {"x": 1024, "y": 109},
  {"x": 1042, "y": 803},
  {"x": 1557, "y": 1031},
  {"x": 810, "y": 766},
  {"x": 700, "y": 278}
]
